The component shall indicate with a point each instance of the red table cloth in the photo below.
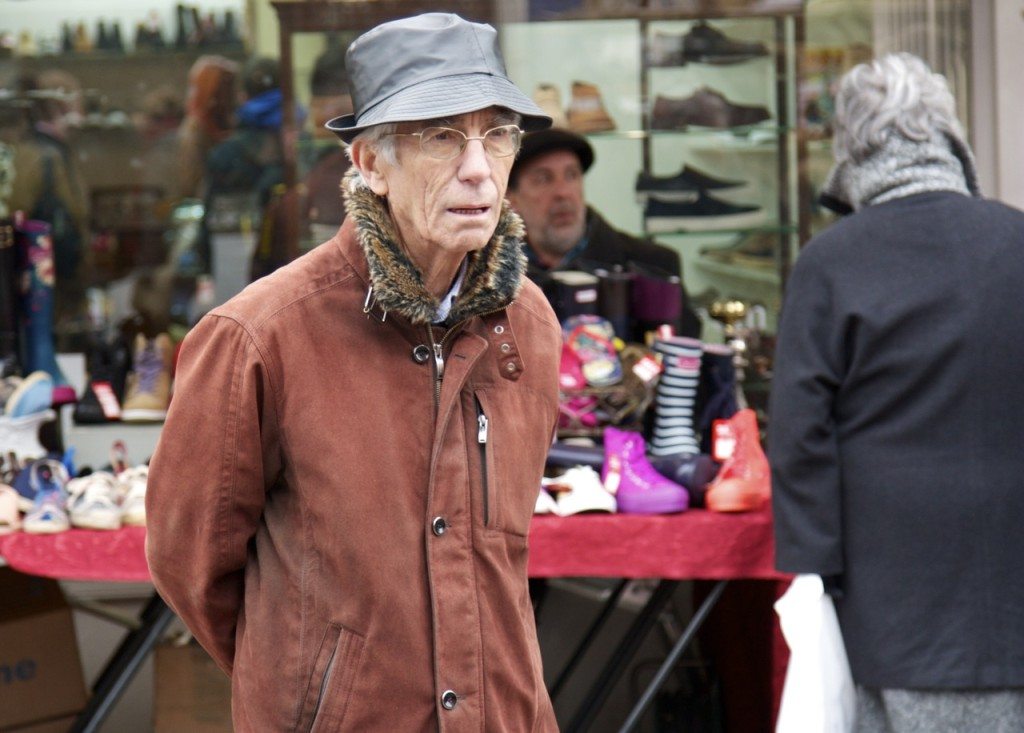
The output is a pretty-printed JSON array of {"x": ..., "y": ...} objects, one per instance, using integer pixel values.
[{"x": 695, "y": 544}]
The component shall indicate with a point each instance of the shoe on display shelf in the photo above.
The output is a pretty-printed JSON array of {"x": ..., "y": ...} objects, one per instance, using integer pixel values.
[
  {"x": 10, "y": 519},
  {"x": 31, "y": 395},
  {"x": 685, "y": 185},
  {"x": 148, "y": 389},
  {"x": 586, "y": 113},
  {"x": 704, "y": 108},
  {"x": 637, "y": 487},
  {"x": 705, "y": 214},
  {"x": 549, "y": 99},
  {"x": 94, "y": 501},
  {"x": 708, "y": 45}
]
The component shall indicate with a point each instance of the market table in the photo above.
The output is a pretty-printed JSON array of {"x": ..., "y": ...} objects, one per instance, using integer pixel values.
[{"x": 693, "y": 545}]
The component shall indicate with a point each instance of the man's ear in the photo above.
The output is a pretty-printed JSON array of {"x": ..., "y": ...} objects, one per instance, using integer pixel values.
[{"x": 370, "y": 165}]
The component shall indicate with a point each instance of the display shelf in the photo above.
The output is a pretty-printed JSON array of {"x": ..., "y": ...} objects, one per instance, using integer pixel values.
[
  {"x": 746, "y": 136},
  {"x": 92, "y": 442},
  {"x": 725, "y": 269},
  {"x": 705, "y": 233}
]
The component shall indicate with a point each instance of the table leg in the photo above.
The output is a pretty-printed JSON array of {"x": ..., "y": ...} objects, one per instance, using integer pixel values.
[
  {"x": 673, "y": 656},
  {"x": 589, "y": 637},
  {"x": 123, "y": 665},
  {"x": 621, "y": 657}
]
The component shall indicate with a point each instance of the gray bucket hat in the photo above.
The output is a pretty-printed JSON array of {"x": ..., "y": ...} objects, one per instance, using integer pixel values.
[{"x": 425, "y": 67}]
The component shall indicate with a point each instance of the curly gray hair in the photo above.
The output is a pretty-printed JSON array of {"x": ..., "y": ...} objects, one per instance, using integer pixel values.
[{"x": 896, "y": 94}]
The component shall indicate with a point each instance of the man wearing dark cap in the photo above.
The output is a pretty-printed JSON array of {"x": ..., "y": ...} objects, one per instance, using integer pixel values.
[
  {"x": 339, "y": 503},
  {"x": 563, "y": 233}
]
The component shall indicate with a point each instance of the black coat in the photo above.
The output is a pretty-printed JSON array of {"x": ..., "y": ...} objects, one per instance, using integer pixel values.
[
  {"x": 896, "y": 437},
  {"x": 608, "y": 248}
]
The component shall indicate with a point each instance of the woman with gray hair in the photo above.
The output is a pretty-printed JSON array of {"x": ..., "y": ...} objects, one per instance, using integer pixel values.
[{"x": 897, "y": 413}]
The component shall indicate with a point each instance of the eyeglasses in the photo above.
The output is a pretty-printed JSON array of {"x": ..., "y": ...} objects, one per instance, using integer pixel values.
[{"x": 444, "y": 143}]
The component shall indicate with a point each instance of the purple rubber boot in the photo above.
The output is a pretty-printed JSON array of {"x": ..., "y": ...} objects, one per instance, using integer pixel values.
[{"x": 638, "y": 488}]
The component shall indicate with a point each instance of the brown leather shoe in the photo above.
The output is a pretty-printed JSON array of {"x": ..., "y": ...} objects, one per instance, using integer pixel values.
[
  {"x": 586, "y": 110},
  {"x": 704, "y": 108}
]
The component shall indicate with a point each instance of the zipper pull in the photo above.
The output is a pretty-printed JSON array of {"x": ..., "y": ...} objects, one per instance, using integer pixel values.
[
  {"x": 439, "y": 360},
  {"x": 481, "y": 430}
]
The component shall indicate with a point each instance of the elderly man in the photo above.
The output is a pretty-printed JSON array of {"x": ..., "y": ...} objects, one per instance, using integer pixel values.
[
  {"x": 563, "y": 233},
  {"x": 898, "y": 409},
  {"x": 339, "y": 504}
]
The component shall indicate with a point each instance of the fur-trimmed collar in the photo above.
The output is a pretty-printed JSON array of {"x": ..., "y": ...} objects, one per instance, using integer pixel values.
[{"x": 493, "y": 277}]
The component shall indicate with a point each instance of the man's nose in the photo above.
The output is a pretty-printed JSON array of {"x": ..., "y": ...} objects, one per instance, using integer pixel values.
[{"x": 475, "y": 164}]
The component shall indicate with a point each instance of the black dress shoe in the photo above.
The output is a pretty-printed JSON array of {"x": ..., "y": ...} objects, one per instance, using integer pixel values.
[
  {"x": 705, "y": 213},
  {"x": 708, "y": 45},
  {"x": 685, "y": 185}
]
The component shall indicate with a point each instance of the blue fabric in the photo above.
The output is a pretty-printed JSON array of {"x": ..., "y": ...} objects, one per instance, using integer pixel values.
[{"x": 266, "y": 111}]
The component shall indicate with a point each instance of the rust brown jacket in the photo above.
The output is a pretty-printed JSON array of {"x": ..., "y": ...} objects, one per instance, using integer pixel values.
[{"x": 340, "y": 517}]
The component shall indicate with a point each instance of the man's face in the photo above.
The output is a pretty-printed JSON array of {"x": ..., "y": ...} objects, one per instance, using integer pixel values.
[
  {"x": 549, "y": 197},
  {"x": 444, "y": 208}
]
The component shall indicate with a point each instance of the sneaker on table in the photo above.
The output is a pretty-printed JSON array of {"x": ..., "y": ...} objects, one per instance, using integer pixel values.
[
  {"x": 133, "y": 487},
  {"x": 579, "y": 490},
  {"x": 48, "y": 514},
  {"x": 10, "y": 519},
  {"x": 94, "y": 501}
]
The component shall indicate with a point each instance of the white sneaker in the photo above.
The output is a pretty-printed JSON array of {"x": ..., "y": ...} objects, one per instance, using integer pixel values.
[
  {"x": 48, "y": 515},
  {"x": 94, "y": 501},
  {"x": 133, "y": 487},
  {"x": 10, "y": 520},
  {"x": 580, "y": 490},
  {"x": 545, "y": 504}
]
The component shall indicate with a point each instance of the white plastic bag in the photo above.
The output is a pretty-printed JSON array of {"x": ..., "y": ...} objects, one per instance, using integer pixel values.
[{"x": 818, "y": 695}]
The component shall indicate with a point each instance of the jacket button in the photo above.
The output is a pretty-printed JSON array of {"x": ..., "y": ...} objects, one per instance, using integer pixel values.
[
  {"x": 420, "y": 354},
  {"x": 439, "y": 526},
  {"x": 510, "y": 367},
  {"x": 499, "y": 329},
  {"x": 449, "y": 700},
  {"x": 505, "y": 348}
]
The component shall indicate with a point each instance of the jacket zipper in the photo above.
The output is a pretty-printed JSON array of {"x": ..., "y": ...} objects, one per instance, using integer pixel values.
[
  {"x": 482, "y": 426},
  {"x": 323, "y": 687}
]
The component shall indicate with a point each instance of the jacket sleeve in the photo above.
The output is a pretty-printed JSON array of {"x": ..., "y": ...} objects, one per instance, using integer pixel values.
[
  {"x": 802, "y": 440},
  {"x": 217, "y": 457}
]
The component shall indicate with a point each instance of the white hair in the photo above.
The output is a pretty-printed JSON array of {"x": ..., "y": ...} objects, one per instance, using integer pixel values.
[
  {"x": 382, "y": 136},
  {"x": 896, "y": 94}
]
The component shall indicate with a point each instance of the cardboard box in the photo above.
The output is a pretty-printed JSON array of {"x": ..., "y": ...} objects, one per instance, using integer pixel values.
[
  {"x": 40, "y": 670},
  {"x": 57, "y": 725},
  {"x": 191, "y": 692}
]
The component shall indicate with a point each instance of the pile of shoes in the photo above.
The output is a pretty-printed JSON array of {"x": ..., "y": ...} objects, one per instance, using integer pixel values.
[
  {"x": 683, "y": 202},
  {"x": 680, "y": 466},
  {"x": 53, "y": 502}
]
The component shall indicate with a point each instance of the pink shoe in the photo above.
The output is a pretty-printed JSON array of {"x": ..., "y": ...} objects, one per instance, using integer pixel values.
[{"x": 638, "y": 488}]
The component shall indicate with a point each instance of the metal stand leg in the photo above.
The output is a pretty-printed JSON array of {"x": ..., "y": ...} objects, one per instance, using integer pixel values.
[
  {"x": 123, "y": 665},
  {"x": 589, "y": 637},
  {"x": 673, "y": 657},
  {"x": 625, "y": 651}
]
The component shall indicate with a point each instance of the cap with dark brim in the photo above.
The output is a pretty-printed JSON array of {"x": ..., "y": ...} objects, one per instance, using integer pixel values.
[
  {"x": 444, "y": 97},
  {"x": 549, "y": 140}
]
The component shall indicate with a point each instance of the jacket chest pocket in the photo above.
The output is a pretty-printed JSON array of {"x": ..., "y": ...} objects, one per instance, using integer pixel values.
[
  {"x": 510, "y": 435},
  {"x": 330, "y": 684}
]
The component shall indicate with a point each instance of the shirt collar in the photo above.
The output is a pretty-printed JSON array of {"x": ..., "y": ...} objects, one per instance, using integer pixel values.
[{"x": 445, "y": 306}]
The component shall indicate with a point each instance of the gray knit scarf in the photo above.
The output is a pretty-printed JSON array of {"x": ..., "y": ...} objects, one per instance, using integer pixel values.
[{"x": 902, "y": 167}]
